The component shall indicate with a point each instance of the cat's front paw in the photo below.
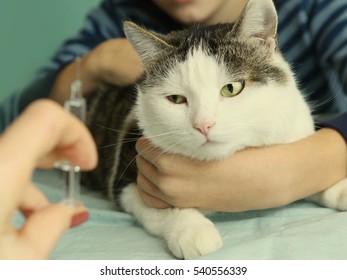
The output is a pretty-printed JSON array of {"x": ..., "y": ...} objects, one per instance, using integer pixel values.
[
  {"x": 341, "y": 201},
  {"x": 194, "y": 240},
  {"x": 335, "y": 197}
]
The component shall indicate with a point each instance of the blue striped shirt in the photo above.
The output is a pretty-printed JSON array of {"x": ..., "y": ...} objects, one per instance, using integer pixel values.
[{"x": 312, "y": 35}]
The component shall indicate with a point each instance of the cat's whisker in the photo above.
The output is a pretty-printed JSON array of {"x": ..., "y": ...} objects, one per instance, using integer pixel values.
[
  {"x": 247, "y": 124},
  {"x": 326, "y": 101},
  {"x": 131, "y": 161},
  {"x": 109, "y": 146},
  {"x": 117, "y": 130},
  {"x": 129, "y": 140},
  {"x": 161, "y": 135},
  {"x": 118, "y": 144},
  {"x": 167, "y": 150}
]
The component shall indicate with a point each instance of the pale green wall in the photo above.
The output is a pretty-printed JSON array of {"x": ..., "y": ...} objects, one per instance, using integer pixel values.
[{"x": 30, "y": 32}]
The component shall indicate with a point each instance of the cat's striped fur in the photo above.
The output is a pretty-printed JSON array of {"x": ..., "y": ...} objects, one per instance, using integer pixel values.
[{"x": 112, "y": 122}]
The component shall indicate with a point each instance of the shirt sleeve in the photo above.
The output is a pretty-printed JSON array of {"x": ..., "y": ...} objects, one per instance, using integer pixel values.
[
  {"x": 15, "y": 104},
  {"x": 328, "y": 26},
  {"x": 100, "y": 25},
  {"x": 329, "y": 31},
  {"x": 339, "y": 124}
]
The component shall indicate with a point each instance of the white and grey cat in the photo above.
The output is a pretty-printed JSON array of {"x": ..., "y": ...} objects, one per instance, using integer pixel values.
[{"x": 207, "y": 93}]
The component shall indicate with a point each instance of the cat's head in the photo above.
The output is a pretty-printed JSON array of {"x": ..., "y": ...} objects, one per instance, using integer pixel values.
[{"x": 210, "y": 91}]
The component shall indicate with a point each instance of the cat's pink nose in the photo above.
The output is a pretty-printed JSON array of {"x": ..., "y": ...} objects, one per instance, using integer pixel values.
[{"x": 204, "y": 128}]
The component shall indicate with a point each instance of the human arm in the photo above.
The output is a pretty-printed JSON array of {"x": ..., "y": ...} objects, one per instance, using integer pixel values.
[
  {"x": 112, "y": 62},
  {"x": 43, "y": 134},
  {"x": 251, "y": 179},
  {"x": 105, "y": 54}
]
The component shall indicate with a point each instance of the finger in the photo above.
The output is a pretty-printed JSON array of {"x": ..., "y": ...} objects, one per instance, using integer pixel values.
[
  {"x": 152, "y": 201},
  {"x": 169, "y": 164},
  {"x": 147, "y": 186},
  {"x": 147, "y": 150},
  {"x": 33, "y": 200},
  {"x": 148, "y": 170},
  {"x": 43, "y": 228},
  {"x": 48, "y": 130}
]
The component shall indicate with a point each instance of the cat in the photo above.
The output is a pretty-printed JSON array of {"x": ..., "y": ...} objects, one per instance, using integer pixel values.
[{"x": 207, "y": 92}]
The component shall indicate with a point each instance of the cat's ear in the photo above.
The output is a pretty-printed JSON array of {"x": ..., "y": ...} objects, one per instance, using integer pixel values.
[
  {"x": 259, "y": 20},
  {"x": 146, "y": 43}
]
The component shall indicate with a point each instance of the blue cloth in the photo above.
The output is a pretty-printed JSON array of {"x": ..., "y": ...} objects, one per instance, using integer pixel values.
[{"x": 301, "y": 231}]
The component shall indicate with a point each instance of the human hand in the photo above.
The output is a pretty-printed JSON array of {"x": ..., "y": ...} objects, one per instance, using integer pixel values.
[
  {"x": 255, "y": 178},
  {"x": 113, "y": 62},
  {"x": 42, "y": 135},
  {"x": 166, "y": 180}
]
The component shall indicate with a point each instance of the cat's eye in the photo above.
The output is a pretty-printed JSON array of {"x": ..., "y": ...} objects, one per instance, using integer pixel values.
[
  {"x": 177, "y": 99},
  {"x": 232, "y": 89}
]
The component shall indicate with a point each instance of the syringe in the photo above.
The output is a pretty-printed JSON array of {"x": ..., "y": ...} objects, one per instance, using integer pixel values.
[{"x": 76, "y": 105}]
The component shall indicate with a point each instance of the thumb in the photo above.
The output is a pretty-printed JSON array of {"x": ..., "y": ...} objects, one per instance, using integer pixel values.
[{"x": 44, "y": 227}]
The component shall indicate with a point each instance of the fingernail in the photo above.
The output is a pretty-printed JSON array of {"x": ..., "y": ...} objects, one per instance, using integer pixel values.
[{"x": 79, "y": 218}]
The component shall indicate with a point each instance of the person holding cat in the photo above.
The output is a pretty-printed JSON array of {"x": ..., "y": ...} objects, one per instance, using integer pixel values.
[{"x": 250, "y": 179}]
